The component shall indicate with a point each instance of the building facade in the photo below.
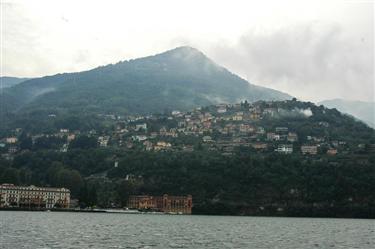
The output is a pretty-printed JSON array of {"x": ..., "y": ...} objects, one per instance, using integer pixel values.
[
  {"x": 309, "y": 149},
  {"x": 285, "y": 148},
  {"x": 33, "y": 197},
  {"x": 165, "y": 203},
  {"x": 332, "y": 152}
]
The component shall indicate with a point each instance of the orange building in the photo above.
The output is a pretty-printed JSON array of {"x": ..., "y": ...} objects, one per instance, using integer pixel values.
[
  {"x": 165, "y": 203},
  {"x": 332, "y": 152}
]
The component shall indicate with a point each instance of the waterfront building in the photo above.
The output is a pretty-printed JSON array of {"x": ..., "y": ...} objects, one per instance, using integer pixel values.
[
  {"x": 33, "y": 197},
  {"x": 165, "y": 203}
]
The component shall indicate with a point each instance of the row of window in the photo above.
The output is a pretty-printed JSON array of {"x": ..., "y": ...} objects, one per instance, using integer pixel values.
[
  {"x": 33, "y": 189},
  {"x": 34, "y": 193}
]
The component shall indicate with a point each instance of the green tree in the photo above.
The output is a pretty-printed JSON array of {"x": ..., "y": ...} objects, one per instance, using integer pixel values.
[
  {"x": 26, "y": 142},
  {"x": 10, "y": 175},
  {"x": 84, "y": 142}
]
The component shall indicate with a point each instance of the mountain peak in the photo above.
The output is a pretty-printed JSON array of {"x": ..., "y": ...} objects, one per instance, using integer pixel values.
[
  {"x": 186, "y": 48},
  {"x": 185, "y": 52}
]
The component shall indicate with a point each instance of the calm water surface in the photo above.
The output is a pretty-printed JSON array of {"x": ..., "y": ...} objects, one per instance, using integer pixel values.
[{"x": 95, "y": 230}]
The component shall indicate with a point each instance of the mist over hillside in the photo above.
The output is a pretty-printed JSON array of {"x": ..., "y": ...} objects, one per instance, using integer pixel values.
[
  {"x": 181, "y": 78},
  {"x": 362, "y": 110}
]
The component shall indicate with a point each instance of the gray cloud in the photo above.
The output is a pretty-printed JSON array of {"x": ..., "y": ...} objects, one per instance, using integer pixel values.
[
  {"x": 278, "y": 45},
  {"x": 312, "y": 61}
]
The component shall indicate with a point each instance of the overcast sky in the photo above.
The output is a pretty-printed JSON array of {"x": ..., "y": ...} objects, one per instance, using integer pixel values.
[{"x": 313, "y": 50}]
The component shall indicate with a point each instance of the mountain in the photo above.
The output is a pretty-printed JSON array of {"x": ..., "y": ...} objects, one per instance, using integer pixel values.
[
  {"x": 364, "y": 111},
  {"x": 181, "y": 78},
  {"x": 11, "y": 81}
]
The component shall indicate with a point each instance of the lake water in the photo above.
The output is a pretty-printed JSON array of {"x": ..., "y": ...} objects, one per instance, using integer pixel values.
[{"x": 96, "y": 230}]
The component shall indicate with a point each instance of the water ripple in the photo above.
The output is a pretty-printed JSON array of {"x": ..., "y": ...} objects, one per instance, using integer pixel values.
[{"x": 91, "y": 230}]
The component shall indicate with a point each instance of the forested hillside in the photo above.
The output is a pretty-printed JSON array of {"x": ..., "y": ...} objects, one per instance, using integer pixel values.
[{"x": 265, "y": 158}]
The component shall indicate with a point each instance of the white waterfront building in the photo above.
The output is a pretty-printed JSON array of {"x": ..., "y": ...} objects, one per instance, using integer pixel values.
[{"x": 33, "y": 197}]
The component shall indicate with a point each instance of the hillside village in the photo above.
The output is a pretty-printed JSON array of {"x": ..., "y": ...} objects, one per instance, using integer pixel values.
[{"x": 260, "y": 127}]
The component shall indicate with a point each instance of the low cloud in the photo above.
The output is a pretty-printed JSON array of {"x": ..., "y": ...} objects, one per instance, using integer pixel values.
[
  {"x": 306, "y": 112},
  {"x": 312, "y": 61},
  {"x": 295, "y": 113}
]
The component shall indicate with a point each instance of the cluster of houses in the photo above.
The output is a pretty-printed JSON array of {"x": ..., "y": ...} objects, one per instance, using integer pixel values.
[{"x": 222, "y": 128}]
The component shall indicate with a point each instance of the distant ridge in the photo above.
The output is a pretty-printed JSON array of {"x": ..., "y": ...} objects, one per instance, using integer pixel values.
[
  {"x": 362, "y": 110},
  {"x": 7, "y": 81}
]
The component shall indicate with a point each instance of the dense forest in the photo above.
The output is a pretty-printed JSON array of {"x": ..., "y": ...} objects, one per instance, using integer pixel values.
[{"x": 242, "y": 184}]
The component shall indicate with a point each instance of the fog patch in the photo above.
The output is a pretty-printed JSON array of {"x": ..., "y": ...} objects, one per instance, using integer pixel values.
[
  {"x": 216, "y": 99},
  {"x": 192, "y": 56},
  {"x": 294, "y": 113},
  {"x": 38, "y": 92},
  {"x": 306, "y": 112}
]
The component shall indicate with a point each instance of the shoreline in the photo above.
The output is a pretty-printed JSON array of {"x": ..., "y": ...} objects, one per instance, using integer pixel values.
[{"x": 121, "y": 211}]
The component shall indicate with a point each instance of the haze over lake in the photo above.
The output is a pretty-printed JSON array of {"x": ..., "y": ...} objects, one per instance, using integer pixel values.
[{"x": 90, "y": 230}]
